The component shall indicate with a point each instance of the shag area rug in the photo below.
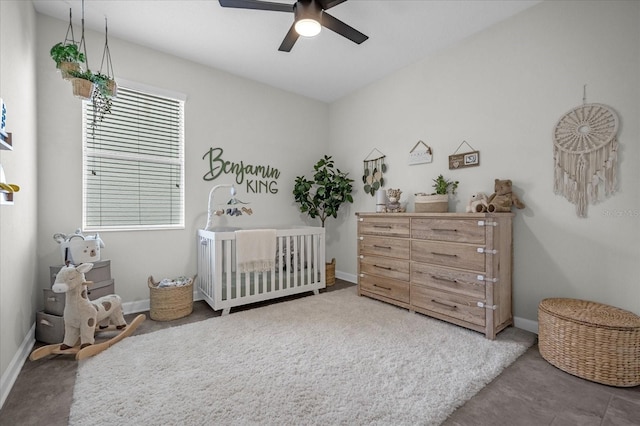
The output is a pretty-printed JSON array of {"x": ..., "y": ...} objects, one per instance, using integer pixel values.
[{"x": 334, "y": 358}]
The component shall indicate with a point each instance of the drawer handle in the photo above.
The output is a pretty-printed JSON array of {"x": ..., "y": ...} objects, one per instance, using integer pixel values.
[
  {"x": 388, "y": 268},
  {"x": 51, "y": 299},
  {"x": 383, "y": 226},
  {"x": 443, "y": 254},
  {"x": 444, "y": 230},
  {"x": 382, "y": 287},
  {"x": 382, "y": 247},
  {"x": 439, "y": 278},
  {"x": 437, "y": 302}
]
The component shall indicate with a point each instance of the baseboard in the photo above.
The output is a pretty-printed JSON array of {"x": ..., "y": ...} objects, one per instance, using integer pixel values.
[
  {"x": 526, "y": 324},
  {"x": 135, "y": 307},
  {"x": 145, "y": 305},
  {"x": 10, "y": 375},
  {"x": 352, "y": 278}
]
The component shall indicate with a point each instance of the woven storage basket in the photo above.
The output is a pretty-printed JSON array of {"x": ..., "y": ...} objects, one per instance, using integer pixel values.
[
  {"x": 330, "y": 273},
  {"x": 431, "y": 203},
  {"x": 169, "y": 303},
  {"x": 590, "y": 340}
]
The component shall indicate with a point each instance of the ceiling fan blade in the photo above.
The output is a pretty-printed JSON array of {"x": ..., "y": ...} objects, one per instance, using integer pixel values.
[
  {"x": 289, "y": 40},
  {"x": 256, "y": 4},
  {"x": 328, "y": 4},
  {"x": 336, "y": 25}
]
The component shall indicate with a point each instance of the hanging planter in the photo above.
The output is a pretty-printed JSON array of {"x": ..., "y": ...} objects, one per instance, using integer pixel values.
[
  {"x": 67, "y": 58},
  {"x": 110, "y": 86},
  {"x": 82, "y": 88},
  {"x": 67, "y": 55},
  {"x": 67, "y": 67}
]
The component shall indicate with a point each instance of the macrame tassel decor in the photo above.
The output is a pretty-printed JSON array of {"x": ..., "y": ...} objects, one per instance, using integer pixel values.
[{"x": 585, "y": 155}]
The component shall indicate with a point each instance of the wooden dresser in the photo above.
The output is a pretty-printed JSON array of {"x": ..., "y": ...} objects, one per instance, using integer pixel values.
[{"x": 456, "y": 267}]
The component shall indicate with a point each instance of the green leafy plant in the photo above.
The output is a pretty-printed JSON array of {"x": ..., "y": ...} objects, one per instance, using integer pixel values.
[
  {"x": 102, "y": 83},
  {"x": 85, "y": 75},
  {"x": 323, "y": 195},
  {"x": 445, "y": 186},
  {"x": 102, "y": 93},
  {"x": 61, "y": 52}
]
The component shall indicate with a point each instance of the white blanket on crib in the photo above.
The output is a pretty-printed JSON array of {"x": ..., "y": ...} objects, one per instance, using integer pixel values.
[{"x": 255, "y": 250}]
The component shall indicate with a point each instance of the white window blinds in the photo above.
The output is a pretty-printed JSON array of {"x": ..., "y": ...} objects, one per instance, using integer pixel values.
[{"x": 134, "y": 163}]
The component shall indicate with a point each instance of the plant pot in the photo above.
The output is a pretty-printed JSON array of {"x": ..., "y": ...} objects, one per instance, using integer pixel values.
[
  {"x": 66, "y": 67},
  {"x": 82, "y": 88},
  {"x": 437, "y": 203},
  {"x": 112, "y": 88},
  {"x": 330, "y": 272}
]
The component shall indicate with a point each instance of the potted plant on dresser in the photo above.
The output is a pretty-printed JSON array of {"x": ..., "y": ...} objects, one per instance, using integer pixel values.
[
  {"x": 322, "y": 196},
  {"x": 437, "y": 202}
]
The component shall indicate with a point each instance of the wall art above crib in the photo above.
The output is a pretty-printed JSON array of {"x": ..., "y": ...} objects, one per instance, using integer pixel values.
[{"x": 256, "y": 178}]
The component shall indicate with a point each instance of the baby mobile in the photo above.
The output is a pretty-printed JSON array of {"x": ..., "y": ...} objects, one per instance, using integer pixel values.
[{"x": 374, "y": 168}]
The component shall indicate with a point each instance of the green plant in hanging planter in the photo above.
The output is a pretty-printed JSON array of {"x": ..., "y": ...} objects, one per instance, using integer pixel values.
[
  {"x": 444, "y": 186},
  {"x": 105, "y": 85},
  {"x": 323, "y": 195},
  {"x": 67, "y": 58},
  {"x": 87, "y": 85},
  {"x": 61, "y": 52}
]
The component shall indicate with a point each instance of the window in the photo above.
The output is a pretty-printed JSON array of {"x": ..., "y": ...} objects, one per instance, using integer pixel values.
[{"x": 133, "y": 163}]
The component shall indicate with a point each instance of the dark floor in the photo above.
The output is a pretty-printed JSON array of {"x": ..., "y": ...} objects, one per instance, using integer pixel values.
[{"x": 529, "y": 392}]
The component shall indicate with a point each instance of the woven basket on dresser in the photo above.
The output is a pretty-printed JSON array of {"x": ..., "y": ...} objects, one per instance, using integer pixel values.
[
  {"x": 169, "y": 303},
  {"x": 590, "y": 340}
]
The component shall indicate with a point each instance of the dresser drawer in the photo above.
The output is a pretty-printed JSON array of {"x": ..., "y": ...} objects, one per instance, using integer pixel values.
[
  {"x": 393, "y": 289},
  {"x": 453, "y": 305},
  {"x": 385, "y": 267},
  {"x": 451, "y": 280},
  {"x": 390, "y": 227},
  {"x": 454, "y": 230},
  {"x": 463, "y": 256},
  {"x": 380, "y": 246}
]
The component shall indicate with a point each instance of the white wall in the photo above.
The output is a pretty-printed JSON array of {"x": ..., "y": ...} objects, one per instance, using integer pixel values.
[
  {"x": 18, "y": 225},
  {"x": 503, "y": 92},
  {"x": 252, "y": 122}
]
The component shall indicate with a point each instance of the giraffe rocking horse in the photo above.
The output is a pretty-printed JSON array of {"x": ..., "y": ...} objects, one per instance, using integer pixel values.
[{"x": 83, "y": 317}]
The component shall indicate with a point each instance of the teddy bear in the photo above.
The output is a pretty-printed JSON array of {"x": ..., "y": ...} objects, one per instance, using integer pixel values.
[
  {"x": 503, "y": 197},
  {"x": 393, "y": 206},
  {"x": 478, "y": 203}
]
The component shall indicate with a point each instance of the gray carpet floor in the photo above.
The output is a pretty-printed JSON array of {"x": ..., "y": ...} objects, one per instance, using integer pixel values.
[{"x": 529, "y": 392}]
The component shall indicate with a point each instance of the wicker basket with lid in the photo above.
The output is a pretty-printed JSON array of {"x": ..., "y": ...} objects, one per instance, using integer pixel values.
[{"x": 590, "y": 340}]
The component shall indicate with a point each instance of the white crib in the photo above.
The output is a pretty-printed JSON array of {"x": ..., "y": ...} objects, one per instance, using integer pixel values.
[{"x": 300, "y": 267}]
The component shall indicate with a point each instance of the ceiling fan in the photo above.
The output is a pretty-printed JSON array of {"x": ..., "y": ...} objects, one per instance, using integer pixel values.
[{"x": 309, "y": 15}]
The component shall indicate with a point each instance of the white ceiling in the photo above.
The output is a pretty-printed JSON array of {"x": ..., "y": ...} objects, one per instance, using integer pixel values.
[{"x": 245, "y": 42}]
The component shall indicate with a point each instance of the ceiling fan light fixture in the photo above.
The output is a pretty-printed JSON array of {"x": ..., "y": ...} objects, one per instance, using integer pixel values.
[{"x": 308, "y": 27}]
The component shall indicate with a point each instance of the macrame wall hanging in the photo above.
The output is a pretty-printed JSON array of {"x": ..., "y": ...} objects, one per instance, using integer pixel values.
[
  {"x": 374, "y": 168},
  {"x": 585, "y": 149}
]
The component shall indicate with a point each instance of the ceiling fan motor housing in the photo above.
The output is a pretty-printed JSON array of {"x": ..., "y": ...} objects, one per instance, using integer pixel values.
[{"x": 307, "y": 9}]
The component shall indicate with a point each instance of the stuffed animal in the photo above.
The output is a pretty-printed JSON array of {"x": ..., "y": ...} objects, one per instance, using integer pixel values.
[
  {"x": 478, "y": 203},
  {"x": 503, "y": 197},
  {"x": 393, "y": 206},
  {"x": 80, "y": 314}
]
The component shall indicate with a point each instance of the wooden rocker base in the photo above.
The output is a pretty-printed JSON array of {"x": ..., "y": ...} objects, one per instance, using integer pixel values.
[{"x": 91, "y": 350}]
